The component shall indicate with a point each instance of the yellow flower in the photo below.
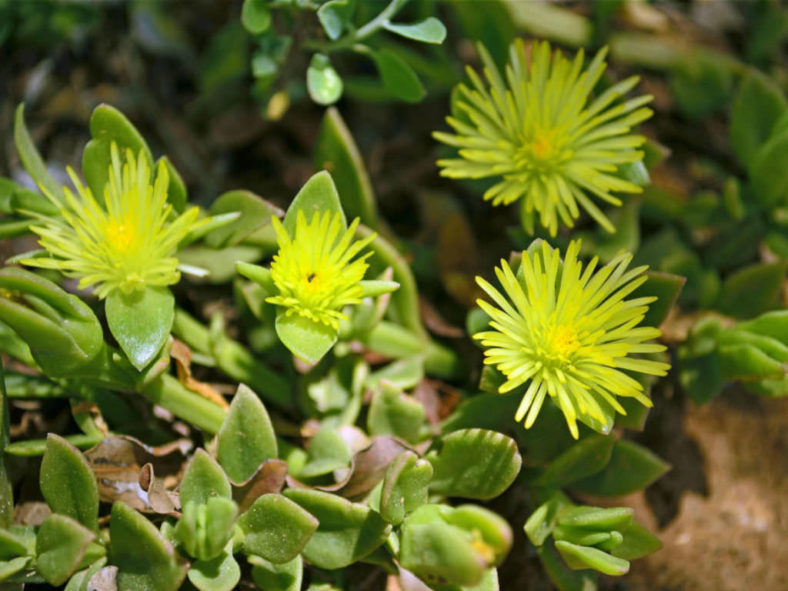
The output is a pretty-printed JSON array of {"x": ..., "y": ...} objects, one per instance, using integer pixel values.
[
  {"x": 570, "y": 332},
  {"x": 314, "y": 270},
  {"x": 536, "y": 128},
  {"x": 124, "y": 243}
]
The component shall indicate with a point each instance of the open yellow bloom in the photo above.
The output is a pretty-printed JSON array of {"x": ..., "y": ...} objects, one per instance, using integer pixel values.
[
  {"x": 571, "y": 332},
  {"x": 127, "y": 241},
  {"x": 537, "y": 129},
  {"x": 315, "y": 271}
]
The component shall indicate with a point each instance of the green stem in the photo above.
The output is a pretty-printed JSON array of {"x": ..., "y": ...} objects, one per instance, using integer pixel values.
[
  {"x": 362, "y": 33},
  {"x": 169, "y": 393},
  {"x": 235, "y": 360},
  {"x": 37, "y": 447}
]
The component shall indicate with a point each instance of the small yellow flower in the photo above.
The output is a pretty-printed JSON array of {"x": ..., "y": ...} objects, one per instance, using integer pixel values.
[
  {"x": 537, "y": 129},
  {"x": 571, "y": 332},
  {"x": 315, "y": 271},
  {"x": 124, "y": 243}
]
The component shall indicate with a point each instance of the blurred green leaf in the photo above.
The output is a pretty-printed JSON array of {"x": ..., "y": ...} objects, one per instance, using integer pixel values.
[
  {"x": 582, "y": 557},
  {"x": 392, "y": 412},
  {"x": 766, "y": 170},
  {"x": 30, "y": 157},
  {"x": 586, "y": 457},
  {"x": 560, "y": 575},
  {"x": 255, "y": 212},
  {"x": 334, "y": 17},
  {"x": 758, "y": 105},
  {"x": 256, "y": 16},
  {"x": 430, "y": 30},
  {"x": 701, "y": 83},
  {"x": 141, "y": 321},
  {"x": 398, "y": 77},
  {"x": 752, "y": 290},
  {"x": 632, "y": 467},
  {"x": 277, "y": 577},
  {"x": 336, "y": 152},
  {"x": 322, "y": 81},
  {"x": 218, "y": 574},
  {"x": 405, "y": 487},
  {"x": 638, "y": 542}
]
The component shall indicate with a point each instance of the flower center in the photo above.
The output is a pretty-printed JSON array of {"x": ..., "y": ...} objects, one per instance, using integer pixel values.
[
  {"x": 543, "y": 146},
  {"x": 121, "y": 236},
  {"x": 560, "y": 342}
]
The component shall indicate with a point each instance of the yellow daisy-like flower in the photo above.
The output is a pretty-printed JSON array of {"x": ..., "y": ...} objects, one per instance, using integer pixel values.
[
  {"x": 571, "y": 332},
  {"x": 537, "y": 129},
  {"x": 125, "y": 243},
  {"x": 315, "y": 271}
]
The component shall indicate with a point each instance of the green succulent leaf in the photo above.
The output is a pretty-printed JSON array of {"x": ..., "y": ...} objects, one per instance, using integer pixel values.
[
  {"x": 561, "y": 576},
  {"x": 322, "y": 81},
  {"x": 392, "y": 412},
  {"x": 405, "y": 487},
  {"x": 474, "y": 463},
  {"x": 204, "y": 479},
  {"x": 766, "y": 170},
  {"x": 752, "y": 290},
  {"x": 404, "y": 373},
  {"x": 540, "y": 524},
  {"x": 256, "y": 16},
  {"x": 145, "y": 560},
  {"x": 632, "y": 467},
  {"x": 307, "y": 339},
  {"x": 637, "y": 542},
  {"x": 108, "y": 125},
  {"x": 255, "y": 213},
  {"x": 218, "y": 574},
  {"x": 277, "y": 577},
  {"x": 246, "y": 438},
  {"x": 666, "y": 288},
  {"x": 347, "y": 531},
  {"x": 276, "y": 528},
  {"x": 582, "y": 557},
  {"x": 319, "y": 194},
  {"x": 429, "y": 30},
  {"x": 327, "y": 452},
  {"x": 586, "y": 457},
  {"x": 30, "y": 157},
  {"x": 61, "y": 544},
  {"x": 758, "y": 105},
  {"x": 67, "y": 482},
  {"x": 398, "y": 77},
  {"x": 334, "y": 17},
  {"x": 177, "y": 193},
  {"x": 204, "y": 530},
  {"x": 141, "y": 321},
  {"x": 336, "y": 151}
]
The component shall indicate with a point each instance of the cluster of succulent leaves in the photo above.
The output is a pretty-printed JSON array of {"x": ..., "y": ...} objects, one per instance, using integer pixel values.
[{"x": 348, "y": 26}]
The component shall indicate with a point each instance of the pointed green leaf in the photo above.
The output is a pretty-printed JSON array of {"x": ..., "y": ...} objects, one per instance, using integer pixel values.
[
  {"x": 474, "y": 463},
  {"x": 67, "y": 482},
  {"x": 666, "y": 288},
  {"x": 276, "y": 528},
  {"x": 322, "y": 81},
  {"x": 108, "y": 125},
  {"x": 141, "y": 321},
  {"x": 177, "y": 193},
  {"x": 586, "y": 457},
  {"x": 581, "y": 557},
  {"x": 638, "y": 542},
  {"x": 255, "y": 212},
  {"x": 30, "y": 157},
  {"x": 405, "y": 487},
  {"x": 766, "y": 170},
  {"x": 632, "y": 467},
  {"x": 277, "y": 577},
  {"x": 256, "y": 16},
  {"x": 758, "y": 105},
  {"x": 398, "y": 77},
  {"x": 308, "y": 340},
  {"x": 337, "y": 151},
  {"x": 246, "y": 438},
  {"x": 203, "y": 479},
  {"x": 430, "y": 30},
  {"x": 218, "y": 574},
  {"x": 347, "y": 531},
  {"x": 204, "y": 530},
  {"x": 145, "y": 560},
  {"x": 752, "y": 290},
  {"x": 540, "y": 524},
  {"x": 595, "y": 518},
  {"x": 60, "y": 545},
  {"x": 392, "y": 412},
  {"x": 560, "y": 575},
  {"x": 318, "y": 195}
]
